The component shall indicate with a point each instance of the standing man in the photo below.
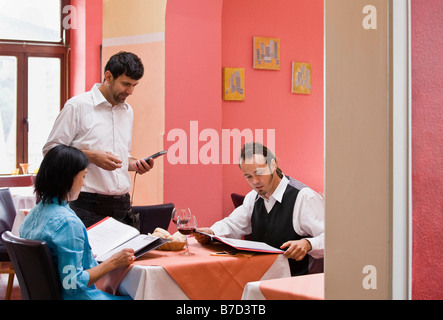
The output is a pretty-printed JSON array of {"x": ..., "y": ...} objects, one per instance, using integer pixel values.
[
  {"x": 279, "y": 211},
  {"x": 99, "y": 123}
]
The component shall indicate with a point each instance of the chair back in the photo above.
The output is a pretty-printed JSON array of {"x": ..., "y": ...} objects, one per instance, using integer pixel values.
[
  {"x": 7, "y": 210},
  {"x": 154, "y": 216},
  {"x": 237, "y": 199},
  {"x": 36, "y": 273},
  {"x": 7, "y": 217}
]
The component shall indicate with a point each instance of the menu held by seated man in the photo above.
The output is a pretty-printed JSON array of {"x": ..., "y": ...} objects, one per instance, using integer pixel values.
[{"x": 245, "y": 245}]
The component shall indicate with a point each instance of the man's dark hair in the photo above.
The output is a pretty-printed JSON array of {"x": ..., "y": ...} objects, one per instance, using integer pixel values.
[
  {"x": 125, "y": 63},
  {"x": 57, "y": 172},
  {"x": 252, "y": 148}
]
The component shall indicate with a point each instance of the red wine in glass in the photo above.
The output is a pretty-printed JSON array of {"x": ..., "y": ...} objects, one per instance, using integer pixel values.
[
  {"x": 186, "y": 231},
  {"x": 186, "y": 225}
]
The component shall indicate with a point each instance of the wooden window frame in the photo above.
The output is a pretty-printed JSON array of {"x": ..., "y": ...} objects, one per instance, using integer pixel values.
[{"x": 23, "y": 50}]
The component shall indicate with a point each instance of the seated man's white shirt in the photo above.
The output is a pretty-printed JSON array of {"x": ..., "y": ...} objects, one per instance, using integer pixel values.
[{"x": 307, "y": 218}]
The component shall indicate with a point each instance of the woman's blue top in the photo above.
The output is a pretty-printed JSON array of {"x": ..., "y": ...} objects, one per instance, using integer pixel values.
[{"x": 66, "y": 236}]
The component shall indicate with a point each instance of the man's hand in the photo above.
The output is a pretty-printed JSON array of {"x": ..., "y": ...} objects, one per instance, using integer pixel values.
[
  {"x": 297, "y": 249},
  {"x": 201, "y": 238},
  {"x": 103, "y": 159},
  {"x": 140, "y": 166}
]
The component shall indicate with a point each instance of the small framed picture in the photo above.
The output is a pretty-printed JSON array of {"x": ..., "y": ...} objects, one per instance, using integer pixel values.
[
  {"x": 301, "y": 77},
  {"x": 266, "y": 53},
  {"x": 234, "y": 84}
]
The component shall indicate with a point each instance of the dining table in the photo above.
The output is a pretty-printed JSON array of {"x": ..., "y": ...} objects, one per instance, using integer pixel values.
[{"x": 209, "y": 274}]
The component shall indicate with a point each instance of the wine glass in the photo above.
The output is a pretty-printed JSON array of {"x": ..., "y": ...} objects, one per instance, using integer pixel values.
[
  {"x": 176, "y": 213},
  {"x": 186, "y": 225}
]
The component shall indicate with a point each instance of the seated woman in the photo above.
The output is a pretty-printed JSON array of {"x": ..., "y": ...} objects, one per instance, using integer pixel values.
[{"x": 59, "y": 181}]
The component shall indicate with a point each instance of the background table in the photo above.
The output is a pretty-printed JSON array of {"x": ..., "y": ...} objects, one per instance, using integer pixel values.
[
  {"x": 24, "y": 200},
  {"x": 23, "y": 197},
  {"x": 308, "y": 287}
]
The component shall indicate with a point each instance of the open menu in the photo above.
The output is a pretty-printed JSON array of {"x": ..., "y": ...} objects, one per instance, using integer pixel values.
[
  {"x": 109, "y": 236},
  {"x": 245, "y": 245}
]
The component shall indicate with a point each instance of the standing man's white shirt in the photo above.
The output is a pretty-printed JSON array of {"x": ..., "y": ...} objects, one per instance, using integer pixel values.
[
  {"x": 83, "y": 119},
  {"x": 308, "y": 217}
]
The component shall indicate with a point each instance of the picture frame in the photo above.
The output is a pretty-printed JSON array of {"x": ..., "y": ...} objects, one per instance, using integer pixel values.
[
  {"x": 233, "y": 84},
  {"x": 301, "y": 78},
  {"x": 266, "y": 53}
]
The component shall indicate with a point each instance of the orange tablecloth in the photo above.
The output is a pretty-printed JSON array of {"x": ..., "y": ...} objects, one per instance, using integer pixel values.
[
  {"x": 308, "y": 287},
  {"x": 201, "y": 276}
]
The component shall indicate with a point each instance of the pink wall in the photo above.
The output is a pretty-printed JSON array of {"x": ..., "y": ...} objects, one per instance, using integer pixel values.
[
  {"x": 269, "y": 103},
  {"x": 86, "y": 40},
  {"x": 192, "y": 93},
  {"x": 427, "y": 149},
  {"x": 94, "y": 20},
  {"x": 204, "y": 36}
]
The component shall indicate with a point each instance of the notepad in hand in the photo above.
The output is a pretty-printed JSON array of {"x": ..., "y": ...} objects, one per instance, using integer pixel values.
[
  {"x": 245, "y": 245},
  {"x": 109, "y": 236}
]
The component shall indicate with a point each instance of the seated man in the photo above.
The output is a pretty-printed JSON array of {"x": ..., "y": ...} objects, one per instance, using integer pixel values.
[{"x": 279, "y": 211}]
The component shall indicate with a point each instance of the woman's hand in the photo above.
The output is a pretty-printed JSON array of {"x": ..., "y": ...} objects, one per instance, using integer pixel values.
[{"x": 120, "y": 259}]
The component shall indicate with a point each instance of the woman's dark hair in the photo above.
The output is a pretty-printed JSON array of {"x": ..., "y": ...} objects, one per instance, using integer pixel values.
[
  {"x": 57, "y": 172},
  {"x": 252, "y": 148},
  {"x": 125, "y": 63}
]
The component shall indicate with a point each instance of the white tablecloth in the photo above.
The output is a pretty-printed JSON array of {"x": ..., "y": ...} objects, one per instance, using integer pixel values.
[
  {"x": 252, "y": 291},
  {"x": 23, "y": 197},
  {"x": 24, "y": 200}
]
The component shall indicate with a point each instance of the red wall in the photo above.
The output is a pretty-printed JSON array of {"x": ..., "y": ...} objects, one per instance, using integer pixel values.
[
  {"x": 427, "y": 149},
  {"x": 192, "y": 93},
  {"x": 86, "y": 40},
  {"x": 94, "y": 19},
  {"x": 269, "y": 104},
  {"x": 201, "y": 38}
]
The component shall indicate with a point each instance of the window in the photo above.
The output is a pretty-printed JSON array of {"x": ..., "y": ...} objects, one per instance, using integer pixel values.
[
  {"x": 33, "y": 78},
  {"x": 30, "y": 20},
  {"x": 43, "y": 103},
  {"x": 8, "y": 111}
]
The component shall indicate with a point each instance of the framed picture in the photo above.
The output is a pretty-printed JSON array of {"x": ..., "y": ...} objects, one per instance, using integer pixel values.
[
  {"x": 266, "y": 53},
  {"x": 233, "y": 84},
  {"x": 301, "y": 77}
]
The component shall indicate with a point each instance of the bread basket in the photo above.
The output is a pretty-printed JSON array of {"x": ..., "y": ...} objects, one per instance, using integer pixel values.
[{"x": 177, "y": 242}]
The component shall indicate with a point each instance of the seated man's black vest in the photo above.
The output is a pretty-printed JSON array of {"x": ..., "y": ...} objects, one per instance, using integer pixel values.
[{"x": 276, "y": 227}]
